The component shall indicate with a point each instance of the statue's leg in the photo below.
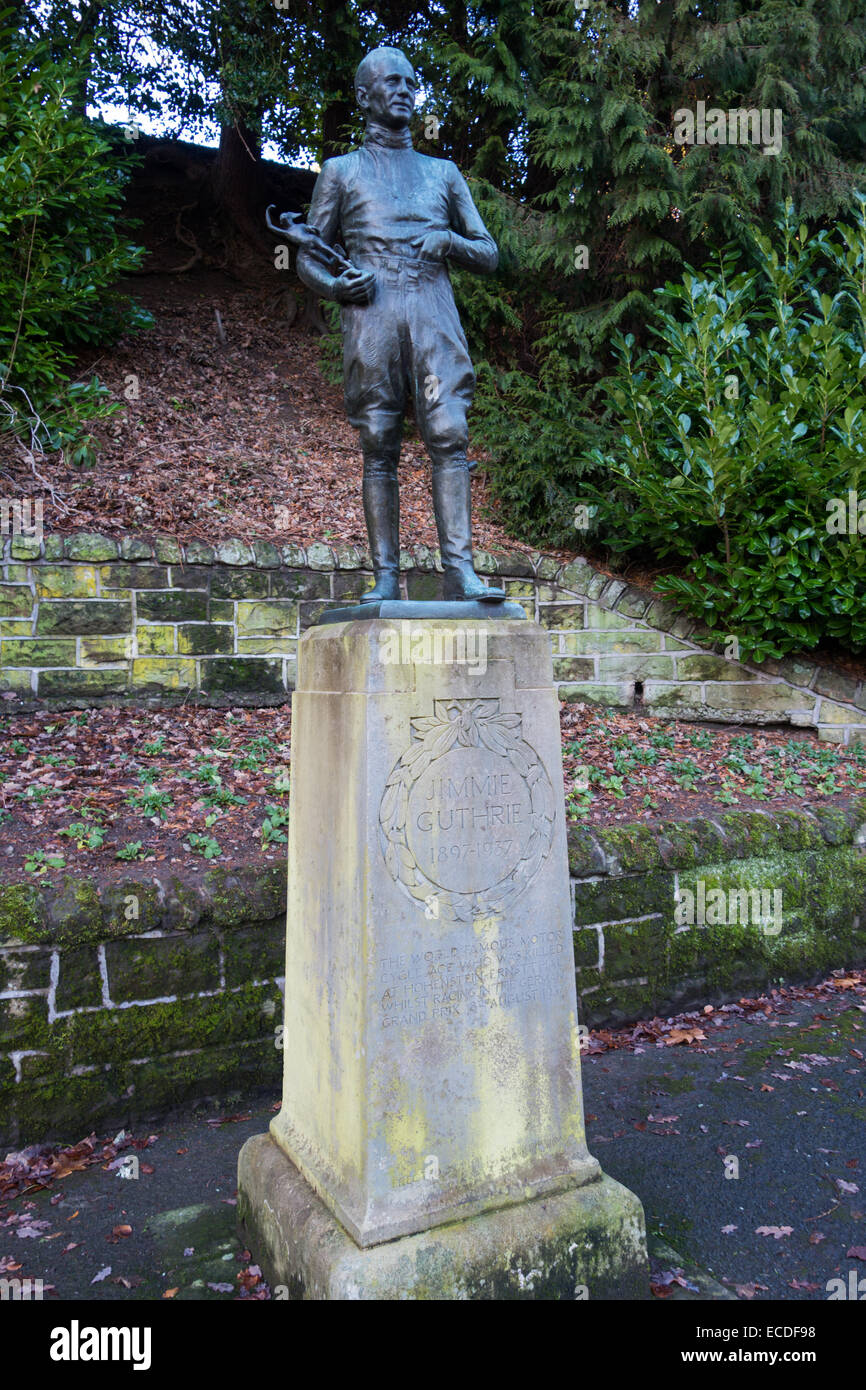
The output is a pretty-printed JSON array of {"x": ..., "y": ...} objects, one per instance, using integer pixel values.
[
  {"x": 375, "y": 400},
  {"x": 443, "y": 385},
  {"x": 380, "y": 442}
]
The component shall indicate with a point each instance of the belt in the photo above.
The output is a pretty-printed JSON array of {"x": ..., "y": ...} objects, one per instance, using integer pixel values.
[{"x": 402, "y": 270}]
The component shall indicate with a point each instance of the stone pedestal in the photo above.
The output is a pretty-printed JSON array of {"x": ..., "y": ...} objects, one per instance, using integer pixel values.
[{"x": 431, "y": 1140}]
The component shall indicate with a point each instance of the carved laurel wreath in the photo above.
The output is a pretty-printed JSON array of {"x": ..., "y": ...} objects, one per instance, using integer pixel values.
[{"x": 466, "y": 724}]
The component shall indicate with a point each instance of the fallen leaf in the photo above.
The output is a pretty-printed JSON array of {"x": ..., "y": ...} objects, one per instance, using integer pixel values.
[
  {"x": 103, "y": 1274},
  {"x": 684, "y": 1035},
  {"x": 776, "y": 1231}
]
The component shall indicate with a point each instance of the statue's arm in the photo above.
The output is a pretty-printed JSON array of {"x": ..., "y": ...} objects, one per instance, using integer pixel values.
[
  {"x": 324, "y": 215},
  {"x": 472, "y": 246},
  {"x": 353, "y": 286}
]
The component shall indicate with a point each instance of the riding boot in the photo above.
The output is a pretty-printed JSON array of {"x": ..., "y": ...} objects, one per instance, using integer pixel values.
[
  {"x": 382, "y": 512},
  {"x": 452, "y": 503}
]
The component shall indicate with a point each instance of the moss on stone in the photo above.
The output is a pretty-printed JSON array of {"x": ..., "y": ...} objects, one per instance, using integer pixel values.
[
  {"x": 21, "y": 917},
  {"x": 629, "y": 848},
  {"x": 683, "y": 843}
]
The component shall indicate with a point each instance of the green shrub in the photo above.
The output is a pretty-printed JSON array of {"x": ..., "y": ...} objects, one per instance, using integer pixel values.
[
  {"x": 60, "y": 251},
  {"x": 740, "y": 434}
]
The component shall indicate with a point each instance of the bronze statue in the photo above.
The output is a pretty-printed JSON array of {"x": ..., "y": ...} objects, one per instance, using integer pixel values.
[{"x": 401, "y": 216}]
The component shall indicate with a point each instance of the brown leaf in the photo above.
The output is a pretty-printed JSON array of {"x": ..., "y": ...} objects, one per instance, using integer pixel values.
[{"x": 684, "y": 1035}]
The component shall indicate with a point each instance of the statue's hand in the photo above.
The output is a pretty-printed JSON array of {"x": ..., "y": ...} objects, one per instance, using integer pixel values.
[
  {"x": 435, "y": 246},
  {"x": 354, "y": 286}
]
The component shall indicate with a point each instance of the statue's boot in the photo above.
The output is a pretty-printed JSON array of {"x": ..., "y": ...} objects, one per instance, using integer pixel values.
[
  {"x": 452, "y": 503},
  {"x": 382, "y": 512}
]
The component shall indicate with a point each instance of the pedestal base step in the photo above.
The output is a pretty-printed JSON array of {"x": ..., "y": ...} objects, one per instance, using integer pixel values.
[{"x": 585, "y": 1244}]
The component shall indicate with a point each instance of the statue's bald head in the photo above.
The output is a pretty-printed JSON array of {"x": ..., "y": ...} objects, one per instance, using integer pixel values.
[
  {"x": 379, "y": 59},
  {"x": 386, "y": 88}
]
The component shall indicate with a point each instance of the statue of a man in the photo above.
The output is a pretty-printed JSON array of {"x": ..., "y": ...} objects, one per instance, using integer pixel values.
[{"x": 401, "y": 217}]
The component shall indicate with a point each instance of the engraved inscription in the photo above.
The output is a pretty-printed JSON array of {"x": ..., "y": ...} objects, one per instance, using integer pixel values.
[
  {"x": 470, "y": 981},
  {"x": 468, "y": 825},
  {"x": 467, "y": 814}
]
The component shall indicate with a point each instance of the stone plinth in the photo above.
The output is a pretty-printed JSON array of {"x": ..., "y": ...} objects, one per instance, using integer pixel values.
[{"x": 432, "y": 1053}]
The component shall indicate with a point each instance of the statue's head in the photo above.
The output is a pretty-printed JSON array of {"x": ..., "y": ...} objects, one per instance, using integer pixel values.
[{"x": 386, "y": 88}]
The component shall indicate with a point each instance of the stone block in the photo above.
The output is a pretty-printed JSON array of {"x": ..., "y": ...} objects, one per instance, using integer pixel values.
[
  {"x": 163, "y": 673},
  {"x": 167, "y": 550},
  {"x": 300, "y": 584},
  {"x": 33, "y": 652},
  {"x": 79, "y": 983},
  {"x": 133, "y": 576},
  {"x": 105, "y": 651},
  {"x": 276, "y": 617},
  {"x": 613, "y": 641},
  {"x": 156, "y": 640},
  {"x": 631, "y": 666},
  {"x": 243, "y": 584},
  {"x": 157, "y": 967},
  {"x": 172, "y": 606},
  {"x": 87, "y": 545},
  {"x": 573, "y": 668},
  {"x": 560, "y": 615},
  {"x": 205, "y": 638},
  {"x": 228, "y": 675},
  {"x": 65, "y": 581},
  {"x": 135, "y": 548},
  {"x": 764, "y": 701},
  {"x": 107, "y": 681},
  {"x": 619, "y": 696},
  {"x": 83, "y": 616},
  {"x": 16, "y": 601},
  {"x": 234, "y": 552},
  {"x": 604, "y": 618}
]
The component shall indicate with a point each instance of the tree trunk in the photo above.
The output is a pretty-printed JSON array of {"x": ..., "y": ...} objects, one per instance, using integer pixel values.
[
  {"x": 238, "y": 179},
  {"x": 239, "y": 194}
]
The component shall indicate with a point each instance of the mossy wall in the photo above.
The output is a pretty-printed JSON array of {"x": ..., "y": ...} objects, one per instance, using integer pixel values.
[
  {"x": 92, "y": 619},
  {"x": 126, "y": 1000},
  {"x": 123, "y": 1000},
  {"x": 636, "y": 956}
]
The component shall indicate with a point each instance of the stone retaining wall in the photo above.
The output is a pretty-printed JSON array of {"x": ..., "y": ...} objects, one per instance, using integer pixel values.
[
  {"x": 91, "y": 619},
  {"x": 125, "y": 999}
]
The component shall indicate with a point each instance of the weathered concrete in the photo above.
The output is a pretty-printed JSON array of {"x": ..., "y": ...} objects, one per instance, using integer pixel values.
[
  {"x": 588, "y": 1243},
  {"x": 432, "y": 1053}
]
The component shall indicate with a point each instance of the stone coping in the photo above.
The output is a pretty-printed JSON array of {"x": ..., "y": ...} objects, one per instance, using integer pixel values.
[{"x": 80, "y": 908}]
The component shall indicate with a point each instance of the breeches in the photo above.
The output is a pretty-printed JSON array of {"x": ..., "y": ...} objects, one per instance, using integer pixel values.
[{"x": 407, "y": 344}]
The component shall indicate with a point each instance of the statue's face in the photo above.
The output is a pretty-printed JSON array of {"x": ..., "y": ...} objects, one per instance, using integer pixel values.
[{"x": 389, "y": 92}]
